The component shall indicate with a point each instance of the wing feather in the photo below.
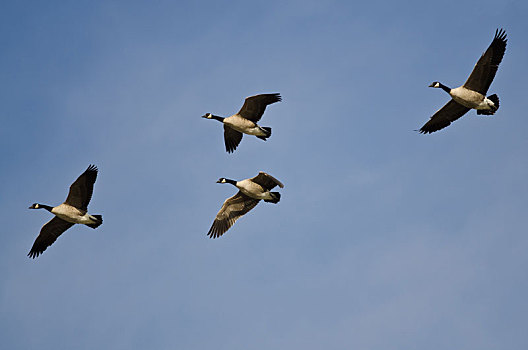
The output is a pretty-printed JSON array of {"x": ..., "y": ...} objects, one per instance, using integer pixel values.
[
  {"x": 484, "y": 71},
  {"x": 48, "y": 234},
  {"x": 266, "y": 180},
  {"x": 232, "y": 139},
  {"x": 232, "y": 209},
  {"x": 81, "y": 190},
  {"x": 444, "y": 116},
  {"x": 254, "y": 106}
]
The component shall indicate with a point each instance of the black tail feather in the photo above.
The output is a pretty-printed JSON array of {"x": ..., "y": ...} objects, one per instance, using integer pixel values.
[
  {"x": 275, "y": 198},
  {"x": 267, "y": 129},
  {"x": 493, "y": 98},
  {"x": 98, "y": 223},
  {"x": 268, "y": 132}
]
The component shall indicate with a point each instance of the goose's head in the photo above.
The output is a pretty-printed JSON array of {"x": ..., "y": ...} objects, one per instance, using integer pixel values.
[
  {"x": 207, "y": 116},
  {"x": 223, "y": 180},
  {"x": 35, "y": 206},
  {"x": 435, "y": 84}
]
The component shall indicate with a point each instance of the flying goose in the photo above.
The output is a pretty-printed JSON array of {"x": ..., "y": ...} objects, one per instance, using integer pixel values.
[
  {"x": 72, "y": 211},
  {"x": 471, "y": 95},
  {"x": 245, "y": 121},
  {"x": 251, "y": 191}
]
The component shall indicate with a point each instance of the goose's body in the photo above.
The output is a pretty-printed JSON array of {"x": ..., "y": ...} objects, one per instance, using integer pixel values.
[
  {"x": 245, "y": 121},
  {"x": 471, "y": 99},
  {"x": 73, "y": 215},
  {"x": 471, "y": 95},
  {"x": 254, "y": 190},
  {"x": 245, "y": 126},
  {"x": 251, "y": 191},
  {"x": 73, "y": 211}
]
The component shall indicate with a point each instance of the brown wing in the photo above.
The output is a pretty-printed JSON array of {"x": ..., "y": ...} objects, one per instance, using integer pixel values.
[
  {"x": 48, "y": 234},
  {"x": 444, "y": 116},
  {"x": 254, "y": 106},
  {"x": 482, "y": 75},
  {"x": 81, "y": 190},
  {"x": 267, "y": 181},
  {"x": 232, "y": 139},
  {"x": 233, "y": 208}
]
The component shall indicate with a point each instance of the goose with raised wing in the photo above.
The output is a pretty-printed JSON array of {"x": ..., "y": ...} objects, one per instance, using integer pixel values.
[
  {"x": 471, "y": 95},
  {"x": 251, "y": 192},
  {"x": 73, "y": 211},
  {"x": 245, "y": 121}
]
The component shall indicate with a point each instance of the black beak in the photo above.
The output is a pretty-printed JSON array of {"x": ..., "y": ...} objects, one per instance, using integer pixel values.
[{"x": 432, "y": 85}]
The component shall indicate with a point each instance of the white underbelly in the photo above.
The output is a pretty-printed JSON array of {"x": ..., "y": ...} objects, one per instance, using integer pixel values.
[
  {"x": 80, "y": 219},
  {"x": 253, "y": 190},
  {"x": 261, "y": 195},
  {"x": 73, "y": 215},
  {"x": 466, "y": 97},
  {"x": 257, "y": 131},
  {"x": 244, "y": 125},
  {"x": 486, "y": 104}
]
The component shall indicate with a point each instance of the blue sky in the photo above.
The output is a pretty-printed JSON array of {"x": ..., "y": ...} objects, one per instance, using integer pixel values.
[{"x": 384, "y": 238}]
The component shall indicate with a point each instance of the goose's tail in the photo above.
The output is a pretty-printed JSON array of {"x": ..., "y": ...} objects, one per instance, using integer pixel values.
[
  {"x": 493, "y": 98},
  {"x": 99, "y": 219},
  {"x": 267, "y": 130},
  {"x": 275, "y": 198}
]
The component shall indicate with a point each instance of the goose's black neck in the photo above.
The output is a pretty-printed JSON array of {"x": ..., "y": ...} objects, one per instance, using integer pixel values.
[
  {"x": 232, "y": 182},
  {"x": 445, "y": 88},
  {"x": 44, "y": 206},
  {"x": 220, "y": 119}
]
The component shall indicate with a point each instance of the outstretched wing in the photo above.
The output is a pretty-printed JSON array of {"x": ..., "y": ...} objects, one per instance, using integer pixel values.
[
  {"x": 482, "y": 75},
  {"x": 233, "y": 208},
  {"x": 444, "y": 116},
  {"x": 255, "y": 106},
  {"x": 48, "y": 234},
  {"x": 81, "y": 190},
  {"x": 232, "y": 138},
  {"x": 267, "y": 181}
]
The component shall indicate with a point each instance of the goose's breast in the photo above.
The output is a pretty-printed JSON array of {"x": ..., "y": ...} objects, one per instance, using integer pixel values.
[
  {"x": 466, "y": 97},
  {"x": 239, "y": 123},
  {"x": 251, "y": 189},
  {"x": 69, "y": 213}
]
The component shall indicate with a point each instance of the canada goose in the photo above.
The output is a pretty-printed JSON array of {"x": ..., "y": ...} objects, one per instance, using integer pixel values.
[
  {"x": 72, "y": 211},
  {"x": 251, "y": 191},
  {"x": 471, "y": 95},
  {"x": 245, "y": 121}
]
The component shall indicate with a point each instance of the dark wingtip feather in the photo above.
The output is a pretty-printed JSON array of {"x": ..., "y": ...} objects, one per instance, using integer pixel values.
[
  {"x": 212, "y": 232},
  {"x": 218, "y": 229},
  {"x": 500, "y": 34},
  {"x": 230, "y": 146},
  {"x": 276, "y": 97},
  {"x": 93, "y": 168},
  {"x": 33, "y": 254},
  {"x": 424, "y": 131}
]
